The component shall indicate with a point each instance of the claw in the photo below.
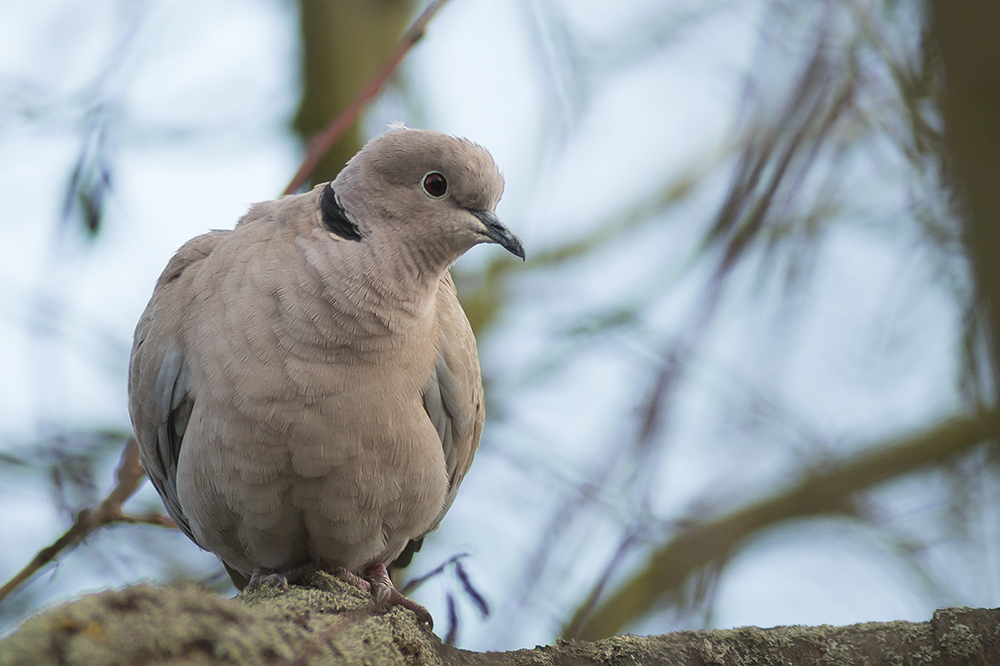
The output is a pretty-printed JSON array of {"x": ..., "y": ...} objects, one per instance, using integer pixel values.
[
  {"x": 282, "y": 579},
  {"x": 261, "y": 577},
  {"x": 376, "y": 581}
]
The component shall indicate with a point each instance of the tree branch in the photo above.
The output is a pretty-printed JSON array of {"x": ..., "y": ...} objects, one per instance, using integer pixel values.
[
  {"x": 334, "y": 623},
  {"x": 968, "y": 38},
  {"x": 128, "y": 477},
  {"x": 824, "y": 491},
  {"x": 322, "y": 143}
]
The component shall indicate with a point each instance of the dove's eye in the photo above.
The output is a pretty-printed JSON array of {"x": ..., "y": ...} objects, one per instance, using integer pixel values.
[{"x": 435, "y": 185}]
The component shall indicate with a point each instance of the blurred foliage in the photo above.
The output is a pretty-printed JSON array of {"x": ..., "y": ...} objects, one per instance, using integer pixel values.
[
  {"x": 861, "y": 79},
  {"x": 707, "y": 546},
  {"x": 91, "y": 178}
]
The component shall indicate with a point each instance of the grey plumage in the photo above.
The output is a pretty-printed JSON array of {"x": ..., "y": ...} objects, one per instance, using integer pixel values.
[{"x": 305, "y": 388}]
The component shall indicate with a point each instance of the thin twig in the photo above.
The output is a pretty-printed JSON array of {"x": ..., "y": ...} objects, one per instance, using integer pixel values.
[
  {"x": 414, "y": 583},
  {"x": 321, "y": 143},
  {"x": 128, "y": 477}
]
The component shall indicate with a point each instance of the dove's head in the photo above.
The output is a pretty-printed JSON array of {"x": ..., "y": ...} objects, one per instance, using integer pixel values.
[{"x": 433, "y": 192}]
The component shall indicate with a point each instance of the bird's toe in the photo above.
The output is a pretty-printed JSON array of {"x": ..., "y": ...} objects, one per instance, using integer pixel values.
[{"x": 266, "y": 577}]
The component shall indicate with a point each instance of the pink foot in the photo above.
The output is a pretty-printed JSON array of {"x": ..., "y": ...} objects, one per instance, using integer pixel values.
[{"x": 375, "y": 580}]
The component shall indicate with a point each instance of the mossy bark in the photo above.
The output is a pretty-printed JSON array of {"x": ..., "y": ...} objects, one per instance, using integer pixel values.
[{"x": 333, "y": 623}]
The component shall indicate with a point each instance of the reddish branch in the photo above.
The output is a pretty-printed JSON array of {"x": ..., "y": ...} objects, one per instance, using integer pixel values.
[
  {"x": 322, "y": 142},
  {"x": 128, "y": 477}
]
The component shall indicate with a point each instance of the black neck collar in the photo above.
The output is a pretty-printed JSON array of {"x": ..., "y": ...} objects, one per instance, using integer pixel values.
[{"x": 335, "y": 217}]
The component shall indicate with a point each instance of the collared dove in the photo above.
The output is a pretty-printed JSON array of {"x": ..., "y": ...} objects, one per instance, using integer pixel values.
[{"x": 305, "y": 388}]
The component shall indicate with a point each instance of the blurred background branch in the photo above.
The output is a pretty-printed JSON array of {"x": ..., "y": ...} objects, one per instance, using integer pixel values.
[
  {"x": 318, "y": 88},
  {"x": 128, "y": 476},
  {"x": 344, "y": 43},
  {"x": 967, "y": 39},
  {"x": 830, "y": 489}
]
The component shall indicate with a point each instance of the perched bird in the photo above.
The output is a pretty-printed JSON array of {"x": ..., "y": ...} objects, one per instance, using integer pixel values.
[{"x": 305, "y": 388}]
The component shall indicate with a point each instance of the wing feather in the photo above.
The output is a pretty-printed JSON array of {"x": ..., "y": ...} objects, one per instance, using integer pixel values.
[
  {"x": 159, "y": 396},
  {"x": 453, "y": 398}
]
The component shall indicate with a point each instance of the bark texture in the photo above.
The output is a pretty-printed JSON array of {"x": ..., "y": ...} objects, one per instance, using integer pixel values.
[{"x": 332, "y": 623}]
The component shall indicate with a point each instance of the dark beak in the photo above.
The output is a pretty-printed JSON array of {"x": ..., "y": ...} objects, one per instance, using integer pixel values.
[{"x": 498, "y": 233}]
